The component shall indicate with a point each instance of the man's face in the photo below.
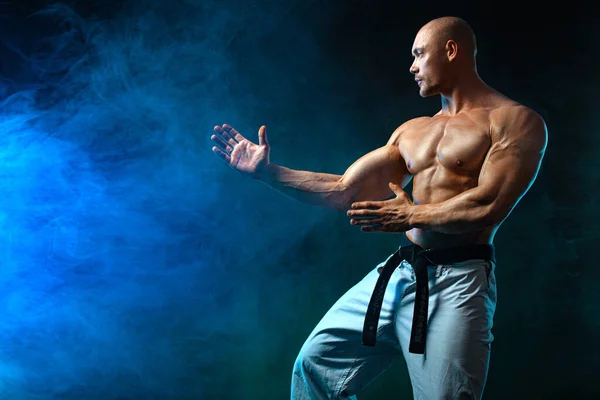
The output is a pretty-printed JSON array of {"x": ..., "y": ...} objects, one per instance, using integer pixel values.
[{"x": 429, "y": 64}]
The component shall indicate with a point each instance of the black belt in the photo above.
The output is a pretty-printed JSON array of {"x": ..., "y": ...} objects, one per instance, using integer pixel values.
[{"x": 420, "y": 259}]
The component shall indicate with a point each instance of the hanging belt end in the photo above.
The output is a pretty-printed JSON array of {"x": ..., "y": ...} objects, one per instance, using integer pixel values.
[{"x": 369, "y": 336}]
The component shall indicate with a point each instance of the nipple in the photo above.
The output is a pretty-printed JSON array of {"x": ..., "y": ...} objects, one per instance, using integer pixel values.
[{"x": 459, "y": 163}]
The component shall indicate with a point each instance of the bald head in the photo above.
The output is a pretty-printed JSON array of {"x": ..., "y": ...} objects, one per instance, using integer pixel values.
[
  {"x": 444, "y": 54},
  {"x": 441, "y": 30}
]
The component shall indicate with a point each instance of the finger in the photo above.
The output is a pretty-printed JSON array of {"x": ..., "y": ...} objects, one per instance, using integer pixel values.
[
  {"x": 395, "y": 188},
  {"x": 232, "y": 142},
  {"x": 367, "y": 204},
  {"x": 221, "y": 143},
  {"x": 366, "y": 221},
  {"x": 225, "y": 136},
  {"x": 224, "y": 133},
  {"x": 363, "y": 213},
  {"x": 224, "y": 156},
  {"x": 220, "y": 131},
  {"x": 230, "y": 137},
  {"x": 262, "y": 136},
  {"x": 232, "y": 133}
]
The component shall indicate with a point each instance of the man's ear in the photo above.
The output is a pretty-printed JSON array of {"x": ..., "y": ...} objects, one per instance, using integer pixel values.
[{"x": 451, "y": 49}]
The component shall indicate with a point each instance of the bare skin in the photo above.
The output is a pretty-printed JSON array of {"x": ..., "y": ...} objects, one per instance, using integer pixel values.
[{"x": 471, "y": 162}]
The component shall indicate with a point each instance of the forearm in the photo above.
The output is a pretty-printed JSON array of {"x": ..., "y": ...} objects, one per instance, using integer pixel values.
[
  {"x": 367, "y": 178},
  {"x": 468, "y": 212},
  {"x": 315, "y": 188}
]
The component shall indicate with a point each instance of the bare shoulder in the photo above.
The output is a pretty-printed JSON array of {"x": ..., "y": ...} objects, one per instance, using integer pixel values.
[
  {"x": 508, "y": 111},
  {"x": 512, "y": 121},
  {"x": 408, "y": 125}
]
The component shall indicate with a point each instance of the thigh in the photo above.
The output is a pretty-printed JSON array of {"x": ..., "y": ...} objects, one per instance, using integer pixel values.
[
  {"x": 461, "y": 309},
  {"x": 334, "y": 350}
]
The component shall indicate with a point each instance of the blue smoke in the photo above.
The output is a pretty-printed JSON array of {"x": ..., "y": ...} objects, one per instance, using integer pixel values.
[
  {"x": 136, "y": 265},
  {"x": 132, "y": 268}
]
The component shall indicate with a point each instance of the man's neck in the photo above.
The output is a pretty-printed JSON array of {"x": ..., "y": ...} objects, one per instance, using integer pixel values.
[{"x": 467, "y": 92}]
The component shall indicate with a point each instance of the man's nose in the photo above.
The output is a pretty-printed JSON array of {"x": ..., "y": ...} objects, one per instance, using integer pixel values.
[{"x": 414, "y": 69}]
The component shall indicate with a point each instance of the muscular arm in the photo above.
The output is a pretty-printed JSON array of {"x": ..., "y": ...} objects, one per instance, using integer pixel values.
[
  {"x": 508, "y": 172},
  {"x": 365, "y": 179}
]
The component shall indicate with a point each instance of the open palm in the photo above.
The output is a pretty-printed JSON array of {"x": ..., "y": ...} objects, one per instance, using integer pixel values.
[{"x": 240, "y": 153}]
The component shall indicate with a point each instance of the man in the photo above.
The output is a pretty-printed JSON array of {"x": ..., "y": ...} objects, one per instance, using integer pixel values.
[{"x": 432, "y": 303}]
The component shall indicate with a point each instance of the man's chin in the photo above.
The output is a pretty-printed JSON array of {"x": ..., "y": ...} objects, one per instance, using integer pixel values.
[{"x": 426, "y": 93}]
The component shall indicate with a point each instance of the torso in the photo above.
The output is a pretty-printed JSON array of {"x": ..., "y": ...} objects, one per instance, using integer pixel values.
[{"x": 444, "y": 154}]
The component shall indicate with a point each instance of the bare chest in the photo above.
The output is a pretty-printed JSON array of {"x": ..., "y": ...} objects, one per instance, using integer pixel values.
[{"x": 458, "y": 144}]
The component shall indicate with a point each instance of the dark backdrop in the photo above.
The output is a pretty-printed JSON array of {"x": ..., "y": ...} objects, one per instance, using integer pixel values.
[{"x": 136, "y": 265}]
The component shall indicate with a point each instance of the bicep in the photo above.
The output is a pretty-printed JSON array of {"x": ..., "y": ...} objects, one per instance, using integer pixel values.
[
  {"x": 368, "y": 178},
  {"x": 512, "y": 165}
]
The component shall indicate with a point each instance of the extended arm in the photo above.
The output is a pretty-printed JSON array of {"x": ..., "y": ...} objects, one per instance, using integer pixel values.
[
  {"x": 508, "y": 172},
  {"x": 366, "y": 179}
]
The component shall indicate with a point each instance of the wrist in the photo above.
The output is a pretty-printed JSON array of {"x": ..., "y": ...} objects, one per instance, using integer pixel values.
[
  {"x": 265, "y": 174},
  {"x": 414, "y": 216}
]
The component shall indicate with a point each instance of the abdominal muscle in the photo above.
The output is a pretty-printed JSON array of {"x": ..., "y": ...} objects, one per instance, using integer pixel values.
[{"x": 435, "y": 186}]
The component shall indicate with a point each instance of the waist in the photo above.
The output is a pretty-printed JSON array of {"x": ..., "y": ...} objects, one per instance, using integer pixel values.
[
  {"x": 448, "y": 255},
  {"x": 435, "y": 240}
]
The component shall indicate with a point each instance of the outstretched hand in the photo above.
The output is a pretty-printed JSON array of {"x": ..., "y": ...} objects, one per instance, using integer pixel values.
[
  {"x": 240, "y": 153},
  {"x": 383, "y": 216}
]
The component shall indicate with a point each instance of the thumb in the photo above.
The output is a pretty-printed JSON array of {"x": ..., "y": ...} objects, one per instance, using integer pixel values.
[
  {"x": 262, "y": 136},
  {"x": 395, "y": 188}
]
